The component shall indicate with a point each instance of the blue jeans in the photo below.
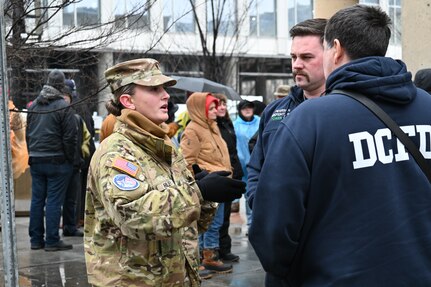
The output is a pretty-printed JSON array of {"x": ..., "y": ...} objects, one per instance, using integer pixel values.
[
  {"x": 70, "y": 202},
  {"x": 210, "y": 239},
  {"x": 49, "y": 184}
]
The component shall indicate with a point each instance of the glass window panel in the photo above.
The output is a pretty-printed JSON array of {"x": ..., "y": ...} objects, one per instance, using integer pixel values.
[
  {"x": 178, "y": 16},
  {"x": 262, "y": 18},
  {"x": 167, "y": 14},
  {"x": 87, "y": 12},
  {"x": 303, "y": 10},
  {"x": 252, "y": 17},
  {"x": 68, "y": 15},
  {"x": 138, "y": 21},
  {"x": 132, "y": 14},
  {"x": 395, "y": 14},
  {"x": 267, "y": 22},
  {"x": 298, "y": 11},
  {"x": 119, "y": 14},
  {"x": 368, "y": 2},
  {"x": 81, "y": 13},
  {"x": 291, "y": 14},
  {"x": 225, "y": 14}
]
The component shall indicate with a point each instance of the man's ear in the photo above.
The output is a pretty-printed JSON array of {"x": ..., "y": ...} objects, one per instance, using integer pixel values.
[
  {"x": 126, "y": 101},
  {"x": 340, "y": 53}
]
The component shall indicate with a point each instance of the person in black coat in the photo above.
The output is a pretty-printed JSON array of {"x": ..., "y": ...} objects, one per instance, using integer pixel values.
[
  {"x": 81, "y": 108},
  {"x": 51, "y": 137},
  {"x": 228, "y": 134}
]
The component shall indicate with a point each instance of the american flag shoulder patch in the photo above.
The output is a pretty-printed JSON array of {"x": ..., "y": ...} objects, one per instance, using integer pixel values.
[{"x": 125, "y": 166}]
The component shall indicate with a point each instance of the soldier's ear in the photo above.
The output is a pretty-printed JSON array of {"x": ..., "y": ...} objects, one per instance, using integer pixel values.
[{"x": 126, "y": 101}]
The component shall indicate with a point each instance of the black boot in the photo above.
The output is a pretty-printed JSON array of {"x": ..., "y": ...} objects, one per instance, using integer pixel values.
[
  {"x": 205, "y": 273},
  {"x": 229, "y": 257}
]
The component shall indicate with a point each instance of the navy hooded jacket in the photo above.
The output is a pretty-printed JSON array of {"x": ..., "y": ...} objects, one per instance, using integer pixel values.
[
  {"x": 340, "y": 202},
  {"x": 269, "y": 122}
]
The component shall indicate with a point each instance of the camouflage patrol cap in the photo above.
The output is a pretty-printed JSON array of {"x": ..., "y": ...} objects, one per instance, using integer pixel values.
[{"x": 144, "y": 72}]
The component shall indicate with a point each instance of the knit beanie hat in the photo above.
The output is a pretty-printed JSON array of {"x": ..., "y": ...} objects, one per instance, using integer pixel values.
[
  {"x": 56, "y": 79},
  {"x": 70, "y": 87},
  {"x": 242, "y": 105}
]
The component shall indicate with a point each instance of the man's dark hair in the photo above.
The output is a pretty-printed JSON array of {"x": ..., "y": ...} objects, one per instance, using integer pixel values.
[
  {"x": 423, "y": 79},
  {"x": 310, "y": 27},
  {"x": 363, "y": 31}
]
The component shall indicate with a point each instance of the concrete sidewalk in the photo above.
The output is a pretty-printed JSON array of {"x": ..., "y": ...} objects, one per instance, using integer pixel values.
[{"x": 67, "y": 268}]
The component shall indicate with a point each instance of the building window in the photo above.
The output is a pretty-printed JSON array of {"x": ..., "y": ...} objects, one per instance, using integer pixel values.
[
  {"x": 133, "y": 14},
  {"x": 178, "y": 16},
  {"x": 393, "y": 8},
  {"x": 370, "y": 2},
  {"x": 299, "y": 10},
  {"x": 262, "y": 18},
  {"x": 225, "y": 17},
  {"x": 395, "y": 14},
  {"x": 81, "y": 13}
]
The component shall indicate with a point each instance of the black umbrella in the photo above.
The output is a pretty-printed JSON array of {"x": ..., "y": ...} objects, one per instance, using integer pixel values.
[{"x": 204, "y": 85}]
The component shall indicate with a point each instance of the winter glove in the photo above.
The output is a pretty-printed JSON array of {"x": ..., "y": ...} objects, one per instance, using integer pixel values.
[
  {"x": 199, "y": 173},
  {"x": 217, "y": 187}
]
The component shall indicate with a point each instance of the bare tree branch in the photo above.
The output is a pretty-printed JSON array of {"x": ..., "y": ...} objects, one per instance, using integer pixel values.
[{"x": 30, "y": 47}]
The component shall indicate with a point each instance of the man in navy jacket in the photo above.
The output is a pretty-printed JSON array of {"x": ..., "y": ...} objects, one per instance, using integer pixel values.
[
  {"x": 348, "y": 206},
  {"x": 307, "y": 67}
]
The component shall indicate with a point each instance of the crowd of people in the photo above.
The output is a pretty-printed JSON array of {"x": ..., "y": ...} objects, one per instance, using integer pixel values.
[{"x": 332, "y": 197}]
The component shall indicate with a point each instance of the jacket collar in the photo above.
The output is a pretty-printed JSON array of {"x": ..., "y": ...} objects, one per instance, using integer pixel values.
[{"x": 143, "y": 132}]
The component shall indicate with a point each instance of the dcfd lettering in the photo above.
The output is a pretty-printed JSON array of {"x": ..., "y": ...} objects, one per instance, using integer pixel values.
[{"x": 370, "y": 148}]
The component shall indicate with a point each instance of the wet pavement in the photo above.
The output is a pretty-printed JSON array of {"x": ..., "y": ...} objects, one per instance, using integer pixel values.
[{"x": 67, "y": 268}]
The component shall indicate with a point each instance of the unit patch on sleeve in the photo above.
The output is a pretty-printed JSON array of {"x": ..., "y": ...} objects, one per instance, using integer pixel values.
[
  {"x": 125, "y": 182},
  {"x": 125, "y": 166}
]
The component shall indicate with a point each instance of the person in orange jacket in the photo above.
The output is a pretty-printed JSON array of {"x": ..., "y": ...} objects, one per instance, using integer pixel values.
[{"x": 18, "y": 143}]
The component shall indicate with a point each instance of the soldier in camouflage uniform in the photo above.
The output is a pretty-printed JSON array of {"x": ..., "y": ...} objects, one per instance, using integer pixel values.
[{"x": 143, "y": 207}]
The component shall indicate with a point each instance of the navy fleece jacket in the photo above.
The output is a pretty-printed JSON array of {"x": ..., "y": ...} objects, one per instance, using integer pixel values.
[
  {"x": 339, "y": 201},
  {"x": 271, "y": 118}
]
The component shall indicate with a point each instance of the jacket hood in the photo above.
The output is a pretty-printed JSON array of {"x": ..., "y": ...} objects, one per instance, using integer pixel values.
[
  {"x": 48, "y": 94},
  {"x": 382, "y": 78},
  {"x": 196, "y": 108}
]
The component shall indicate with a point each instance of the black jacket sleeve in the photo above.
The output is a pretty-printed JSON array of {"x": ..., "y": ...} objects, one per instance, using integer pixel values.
[
  {"x": 252, "y": 141},
  {"x": 70, "y": 133}
]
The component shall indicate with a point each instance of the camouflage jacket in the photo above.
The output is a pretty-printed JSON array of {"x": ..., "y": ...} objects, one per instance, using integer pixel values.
[{"x": 143, "y": 210}]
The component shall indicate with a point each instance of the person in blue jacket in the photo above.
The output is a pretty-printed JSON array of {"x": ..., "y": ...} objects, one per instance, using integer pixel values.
[
  {"x": 307, "y": 67},
  {"x": 245, "y": 125},
  {"x": 348, "y": 205}
]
